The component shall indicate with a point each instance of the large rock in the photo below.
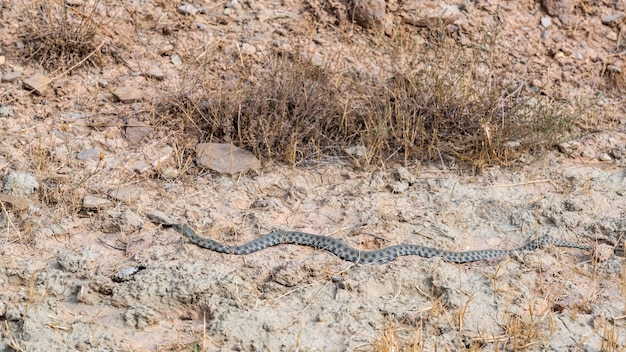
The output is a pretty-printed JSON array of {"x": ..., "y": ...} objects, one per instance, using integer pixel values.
[
  {"x": 225, "y": 158},
  {"x": 368, "y": 13}
]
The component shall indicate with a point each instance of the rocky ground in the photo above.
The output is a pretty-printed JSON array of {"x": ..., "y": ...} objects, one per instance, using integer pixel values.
[{"x": 86, "y": 160}]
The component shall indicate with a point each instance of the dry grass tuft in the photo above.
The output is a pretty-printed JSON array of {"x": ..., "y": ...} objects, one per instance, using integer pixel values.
[
  {"x": 390, "y": 339},
  {"x": 60, "y": 36},
  {"x": 438, "y": 102}
]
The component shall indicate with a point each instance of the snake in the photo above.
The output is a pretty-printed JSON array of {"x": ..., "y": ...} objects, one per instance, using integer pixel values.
[{"x": 380, "y": 256}]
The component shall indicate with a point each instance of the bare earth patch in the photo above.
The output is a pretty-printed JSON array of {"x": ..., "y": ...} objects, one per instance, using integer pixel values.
[{"x": 518, "y": 132}]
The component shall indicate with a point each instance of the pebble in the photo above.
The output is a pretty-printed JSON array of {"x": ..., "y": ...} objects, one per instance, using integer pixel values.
[
  {"x": 136, "y": 130},
  {"x": 160, "y": 217},
  {"x": 17, "y": 203},
  {"x": 38, "y": 83},
  {"x": 608, "y": 19},
  {"x": 187, "y": 9},
  {"x": 176, "y": 60},
  {"x": 546, "y": 22},
  {"x": 368, "y": 13},
  {"x": 124, "y": 194},
  {"x": 127, "y": 273},
  {"x": 11, "y": 76},
  {"x": 89, "y": 154},
  {"x": 5, "y": 111},
  {"x": 128, "y": 95},
  {"x": 604, "y": 157},
  {"x": 94, "y": 202},
  {"x": 19, "y": 183},
  {"x": 225, "y": 158},
  {"x": 248, "y": 49},
  {"x": 155, "y": 73}
]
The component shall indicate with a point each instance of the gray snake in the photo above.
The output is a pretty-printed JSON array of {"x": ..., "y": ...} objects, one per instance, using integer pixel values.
[{"x": 385, "y": 255}]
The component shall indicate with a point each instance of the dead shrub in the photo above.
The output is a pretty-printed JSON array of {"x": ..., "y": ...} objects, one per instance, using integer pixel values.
[{"x": 57, "y": 35}]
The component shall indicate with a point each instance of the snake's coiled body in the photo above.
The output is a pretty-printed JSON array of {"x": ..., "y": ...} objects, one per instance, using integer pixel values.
[{"x": 345, "y": 252}]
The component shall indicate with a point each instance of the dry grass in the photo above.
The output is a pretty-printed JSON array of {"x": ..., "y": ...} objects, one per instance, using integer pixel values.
[
  {"x": 445, "y": 105},
  {"x": 59, "y": 36}
]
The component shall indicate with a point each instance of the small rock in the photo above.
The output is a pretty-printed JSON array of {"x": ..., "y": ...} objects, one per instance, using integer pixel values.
[
  {"x": 155, "y": 73},
  {"x": 38, "y": 83},
  {"x": 160, "y": 217},
  {"x": 512, "y": 144},
  {"x": 93, "y": 202},
  {"x": 11, "y": 76},
  {"x": 358, "y": 151},
  {"x": 176, "y": 60},
  {"x": 5, "y": 111},
  {"x": 368, "y": 13},
  {"x": 141, "y": 166},
  {"x": 2, "y": 60},
  {"x": 557, "y": 7},
  {"x": 248, "y": 49},
  {"x": 546, "y": 22},
  {"x": 89, "y": 154},
  {"x": 130, "y": 220},
  {"x": 103, "y": 83},
  {"x": 187, "y": 9},
  {"x": 604, "y": 157},
  {"x": 17, "y": 203},
  {"x": 74, "y": 2},
  {"x": 225, "y": 158},
  {"x": 20, "y": 183},
  {"x": 165, "y": 49},
  {"x": 430, "y": 15},
  {"x": 161, "y": 156},
  {"x": 69, "y": 261},
  {"x": 127, "y": 274},
  {"x": 609, "y": 19},
  {"x": 611, "y": 36},
  {"x": 136, "y": 130},
  {"x": 317, "y": 60},
  {"x": 128, "y": 94},
  {"x": 124, "y": 194}
]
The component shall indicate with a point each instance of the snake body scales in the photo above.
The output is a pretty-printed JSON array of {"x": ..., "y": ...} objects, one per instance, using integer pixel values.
[{"x": 381, "y": 256}]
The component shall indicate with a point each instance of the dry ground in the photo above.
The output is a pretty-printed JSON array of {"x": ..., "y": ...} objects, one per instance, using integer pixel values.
[{"x": 479, "y": 130}]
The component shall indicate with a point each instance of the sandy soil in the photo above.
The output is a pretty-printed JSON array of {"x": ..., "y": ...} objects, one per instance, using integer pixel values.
[{"x": 58, "y": 259}]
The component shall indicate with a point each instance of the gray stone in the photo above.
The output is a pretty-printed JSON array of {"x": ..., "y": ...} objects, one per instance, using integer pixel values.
[
  {"x": 225, "y": 158},
  {"x": 37, "y": 83},
  {"x": 124, "y": 194},
  {"x": 93, "y": 202},
  {"x": 160, "y": 217},
  {"x": 546, "y": 22},
  {"x": 128, "y": 94},
  {"x": 136, "y": 130},
  {"x": 176, "y": 60},
  {"x": 130, "y": 220},
  {"x": 187, "y": 9},
  {"x": 89, "y": 154},
  {"x": 11, "y": 76},
  {"x": 248, "y": 49},
  {"x": 156, "y": 73},
  {"x": 20, "y": 183},
  {"x": 5, "y": 111},
  {"x": 604, "y": 157},
  {"x": 608, "y": 19}
]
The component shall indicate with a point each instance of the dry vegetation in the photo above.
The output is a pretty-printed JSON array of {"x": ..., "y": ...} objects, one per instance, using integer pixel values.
[
  {"x": 441, "y": 104},
  {"x": 438, "y": 102},
  {"x": 61, "y": 37}
]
